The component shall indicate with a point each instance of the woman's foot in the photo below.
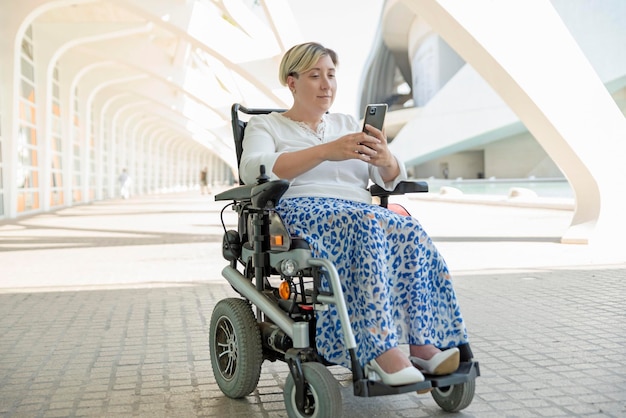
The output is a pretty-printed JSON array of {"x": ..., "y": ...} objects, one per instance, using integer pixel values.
[
  {"x": 393, "y": 360},
  {"x": 429, "y": 359},
  {"x": 394, "y": 368}
]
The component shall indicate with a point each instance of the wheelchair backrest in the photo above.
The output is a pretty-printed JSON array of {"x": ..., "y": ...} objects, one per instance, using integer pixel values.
[{"x": 239, "y": 125}]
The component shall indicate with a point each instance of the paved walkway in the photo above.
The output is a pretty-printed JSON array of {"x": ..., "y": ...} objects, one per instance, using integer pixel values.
[{"x": 104, "y": 312}]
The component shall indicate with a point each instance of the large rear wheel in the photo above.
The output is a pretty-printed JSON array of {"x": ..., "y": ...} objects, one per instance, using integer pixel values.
[{"x": 235, "y": 346}]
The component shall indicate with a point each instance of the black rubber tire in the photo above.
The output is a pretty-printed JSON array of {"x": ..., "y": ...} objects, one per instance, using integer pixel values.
[
  {"x": 456, "y": 397},
  {"x": 323, "y": 397},
  {"x": 235, "y": 347}
]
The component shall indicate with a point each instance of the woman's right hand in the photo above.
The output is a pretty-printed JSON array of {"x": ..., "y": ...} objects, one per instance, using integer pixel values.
[{"x": 352, "y": 146}]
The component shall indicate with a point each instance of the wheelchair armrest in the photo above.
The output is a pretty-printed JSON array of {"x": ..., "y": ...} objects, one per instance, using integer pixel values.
[
  {"x": 403, "y": 187},
  {"x": 237, "y": 193},
  {"x": 259, "y": 194}
]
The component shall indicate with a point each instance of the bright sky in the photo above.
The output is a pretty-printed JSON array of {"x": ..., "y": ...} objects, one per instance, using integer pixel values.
[{"x": 348, "y": 27}]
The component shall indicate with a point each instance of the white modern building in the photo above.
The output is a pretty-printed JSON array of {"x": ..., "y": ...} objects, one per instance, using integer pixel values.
[
  {"x": 480, "y": 88},
  {"x": 426, "y": 80}
]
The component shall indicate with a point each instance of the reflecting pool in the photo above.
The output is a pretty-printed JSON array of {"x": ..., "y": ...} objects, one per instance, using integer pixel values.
[{"x": 548, "y": 187}]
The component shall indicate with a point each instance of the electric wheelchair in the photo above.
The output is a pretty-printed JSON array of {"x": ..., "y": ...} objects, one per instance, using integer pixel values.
[{"x": 278, "y": 279}]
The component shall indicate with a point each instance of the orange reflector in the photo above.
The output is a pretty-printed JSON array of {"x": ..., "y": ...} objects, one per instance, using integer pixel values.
[
  {"x": 284, "y": 290},
  {"x": 277, "y": 240}
]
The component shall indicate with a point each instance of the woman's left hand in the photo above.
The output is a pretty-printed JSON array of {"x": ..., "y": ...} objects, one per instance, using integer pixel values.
[{"x": 375, "y": 147}]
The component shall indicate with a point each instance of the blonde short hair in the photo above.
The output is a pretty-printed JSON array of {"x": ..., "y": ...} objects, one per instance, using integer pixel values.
[{"x": 301, "y": 58}]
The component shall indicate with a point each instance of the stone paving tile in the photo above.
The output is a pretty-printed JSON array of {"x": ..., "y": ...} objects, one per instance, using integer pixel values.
[
  {"x": 550, "y": 344},
  {"x": 128, "y": 334}
]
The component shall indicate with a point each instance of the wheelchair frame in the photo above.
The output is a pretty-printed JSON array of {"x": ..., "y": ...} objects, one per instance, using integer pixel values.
[{"x": 285, "y": 329}]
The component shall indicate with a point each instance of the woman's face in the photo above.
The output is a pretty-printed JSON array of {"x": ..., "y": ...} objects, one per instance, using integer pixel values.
[{"x": 316, "y": 88}]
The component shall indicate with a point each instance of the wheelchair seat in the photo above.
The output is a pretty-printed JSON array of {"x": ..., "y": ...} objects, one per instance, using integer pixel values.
[{"x": 278, "y": 282}]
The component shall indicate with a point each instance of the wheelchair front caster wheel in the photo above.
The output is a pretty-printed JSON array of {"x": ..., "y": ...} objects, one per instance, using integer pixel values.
[
  {"x": 235, "y": 347},
  {"x": 322, "y": 397},
  {"x": 455, "y": 397}
]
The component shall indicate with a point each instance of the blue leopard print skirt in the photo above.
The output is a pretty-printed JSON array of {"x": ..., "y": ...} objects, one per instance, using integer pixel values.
[{"x": 396, "y": 284}]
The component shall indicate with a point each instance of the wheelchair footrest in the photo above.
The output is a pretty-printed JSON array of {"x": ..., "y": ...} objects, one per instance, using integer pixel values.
[
  {"x": 368, "y": 388},
  {"x": 467, "y": 371}
]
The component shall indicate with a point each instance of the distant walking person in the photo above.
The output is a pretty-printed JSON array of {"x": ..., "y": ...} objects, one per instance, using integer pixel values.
[
  {"x": 204, "y": 183},
  {"x": 124, "y": 180}
]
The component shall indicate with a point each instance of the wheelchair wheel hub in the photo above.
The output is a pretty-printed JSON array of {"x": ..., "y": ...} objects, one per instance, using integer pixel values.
[{"x": 227, "y": 348}]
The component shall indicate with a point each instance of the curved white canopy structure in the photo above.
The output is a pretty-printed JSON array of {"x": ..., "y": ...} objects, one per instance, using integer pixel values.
[
  {"x": 81, "y": 79},
  {"x": 527, "y": 72}
]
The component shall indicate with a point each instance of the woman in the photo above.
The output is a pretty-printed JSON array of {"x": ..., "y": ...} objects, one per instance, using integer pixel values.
[{"x": 396, "y": 285}]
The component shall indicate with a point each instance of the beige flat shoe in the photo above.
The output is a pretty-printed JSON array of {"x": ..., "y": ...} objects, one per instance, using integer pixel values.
[
  {"x": 406, "y": 376},
  {"x": 442, "y": 363}
]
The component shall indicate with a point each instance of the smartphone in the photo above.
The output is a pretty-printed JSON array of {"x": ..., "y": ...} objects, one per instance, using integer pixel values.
[{"x": 375, "y": 116}]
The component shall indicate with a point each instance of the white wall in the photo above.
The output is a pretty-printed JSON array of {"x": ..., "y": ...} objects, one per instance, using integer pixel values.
[
  {"x": 466, "y": 164},
  {"x": 519, "y": 156}
]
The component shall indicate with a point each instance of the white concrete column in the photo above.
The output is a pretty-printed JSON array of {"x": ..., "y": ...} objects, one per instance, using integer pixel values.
[
  {"x": 134, "y": 125},
  {"x": 167, "y": 158},
  {"x": 121, "y": 139},
  {"x": 148, "y": 139},
  {"x": 43, "y": 102},
  {"x": 155, "y": 159},
  {"x": 179, "y": 160},
  {"x": 10, "y": 41},
  {"x": 109, "y": 127},
  {"x": 183, "y": 169},
  {"x": 163, "y": 161},
  {"x": 130, "y": 145},
  {"x": 86, "y": 146},
  {"x": 110, "y": 145}
]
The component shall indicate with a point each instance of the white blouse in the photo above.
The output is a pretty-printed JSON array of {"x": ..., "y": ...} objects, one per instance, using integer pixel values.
[{"x": 268, "y": 136}]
